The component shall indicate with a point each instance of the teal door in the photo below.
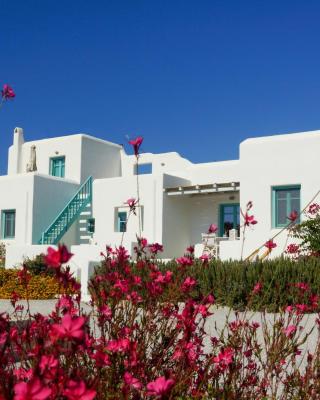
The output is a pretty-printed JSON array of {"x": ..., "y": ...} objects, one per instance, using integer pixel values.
[{"x": 229, "y": 218}]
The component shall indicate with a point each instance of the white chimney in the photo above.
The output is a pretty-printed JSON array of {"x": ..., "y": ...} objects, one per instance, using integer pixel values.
[
  {"x": 15, "y": 152},
  {"x": 18, "y": 138}
]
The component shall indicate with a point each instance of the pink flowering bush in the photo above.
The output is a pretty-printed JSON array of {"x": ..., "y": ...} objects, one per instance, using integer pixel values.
[{"x": 146, "y": 338}]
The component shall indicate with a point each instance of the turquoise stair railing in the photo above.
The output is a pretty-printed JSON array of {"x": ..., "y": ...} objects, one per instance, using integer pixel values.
[{"x": 68, "y": 215}]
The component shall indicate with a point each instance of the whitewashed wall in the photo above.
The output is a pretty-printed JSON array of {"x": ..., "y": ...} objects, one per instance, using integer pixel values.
[
  {"x": 99, "y": 159},
  {"x": 111, "y": 193},
  {"x": 68, "y": 146},
  {"x": 161, "y": 163},
  {"x": 274, "y": 161},
  {"x": 16, "y": 192},
  {"x": 215, "y": 172},
  {"x": 16, "y": 254},
  {"x": 84, "y": 156}
]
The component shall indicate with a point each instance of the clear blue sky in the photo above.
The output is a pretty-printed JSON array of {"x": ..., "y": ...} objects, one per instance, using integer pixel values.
[{"x": 195, "y": 77}]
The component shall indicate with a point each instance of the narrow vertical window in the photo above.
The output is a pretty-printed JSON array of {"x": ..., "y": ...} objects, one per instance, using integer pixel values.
[
  {"x": 8, "y": 221},
  {"x": 285, "y": 199},
  {"x": 122, "y": 221},
  {"x": 57, "y": 166}
]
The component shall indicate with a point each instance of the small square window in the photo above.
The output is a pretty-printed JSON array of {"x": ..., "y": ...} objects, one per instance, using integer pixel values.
[
  {"x": 8, "y": 224},
  {"x": 285, "y": 199},
  {"x": 57, "y": 166}
]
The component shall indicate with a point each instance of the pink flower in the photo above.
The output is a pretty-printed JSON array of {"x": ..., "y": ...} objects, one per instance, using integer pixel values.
[
  {"x": 313, "y": 208},
  {"x": 7, "y": 92},
  {"x": 120, "y": 345},
  {"x": 290, "y": 330},
  {"x": 32, "y": 390},
  {"x": 224, "y": 358},
  {"x": 188, "y": 284},
  {"x": 249, "y": 220},
  {"x": 70, "y": 328},
  {"x": 48, "y": 363},
  {"x": 257, "y": 288},
  {"x": 190, "y": 249},
  {"x": 155, "y": 248},
  {"x": 184, "y": 261},
  {"x": 131, "y": 381},
  {"x": 132, "y": 204},
  {"x": 212, "y": 228},
  {"x": 105, "y": 311},
  {"x": 55, "y": 258},
  {"x": 292, "y": 248},
  {"x": 160, "y": 387},
  {"x": 292, "y": 217},
  {"x": 136, "y": 143},
  {"x": 301, "y": 308},
  {"x": 270, "y": 244},
  {"x": 205, "y": 258},
  {"x": 78, "y": 391},
  {"x": 302, "y": 286}
]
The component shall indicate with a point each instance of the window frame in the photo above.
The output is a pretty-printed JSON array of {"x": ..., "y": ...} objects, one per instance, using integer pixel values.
[
  {"x": 4, "y": 214},
  {"x": 121, "y": 222},
  {"x": 63, "y": 168},
  {"x": 221, "y": 215},
  {"x": 274, "y": 204}
]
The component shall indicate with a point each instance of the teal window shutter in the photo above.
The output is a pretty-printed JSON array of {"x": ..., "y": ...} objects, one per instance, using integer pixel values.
[
  {"x": 8, "y": 224},
  {"x": 57, "y": 166},
  {"x": 122, "y": 221},
  {"x": 285, "y": 199}
]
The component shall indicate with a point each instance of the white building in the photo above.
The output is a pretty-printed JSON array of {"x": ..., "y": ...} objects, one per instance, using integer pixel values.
[{"x": 179, "y": 199}]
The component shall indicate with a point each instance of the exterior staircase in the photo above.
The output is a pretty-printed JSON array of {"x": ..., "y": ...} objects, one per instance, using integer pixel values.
[{"x": 80, "y": 204}]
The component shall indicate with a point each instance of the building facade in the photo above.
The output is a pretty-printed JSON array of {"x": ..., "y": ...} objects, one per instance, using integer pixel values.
[{"x": 73, "y": 189}]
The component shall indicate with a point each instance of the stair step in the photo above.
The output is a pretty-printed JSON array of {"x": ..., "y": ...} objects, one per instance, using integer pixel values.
[{"x": 85, "y": 213}]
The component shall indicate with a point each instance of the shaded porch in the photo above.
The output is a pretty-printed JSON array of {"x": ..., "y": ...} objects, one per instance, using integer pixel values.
[{"x": 189, "y": 210}]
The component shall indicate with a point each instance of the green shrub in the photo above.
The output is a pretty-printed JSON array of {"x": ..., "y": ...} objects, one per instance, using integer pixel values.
[
  {"x": 232, "y": 282},
  {"x": 37, "y": 265},
  {"x": 308, "y": 232}
]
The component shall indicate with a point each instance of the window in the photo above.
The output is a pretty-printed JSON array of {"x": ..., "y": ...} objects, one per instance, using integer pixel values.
[
  {"x": 229, "y": 218},
  {"x": 143, "y": 169},
  {"x": 91, "y": 225},
  {"x": 122, "y": 221},
  {"x": 285, "y": 199},
  {"x": 8, "y": 224},
  {"x": 57, "y": 166}
]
